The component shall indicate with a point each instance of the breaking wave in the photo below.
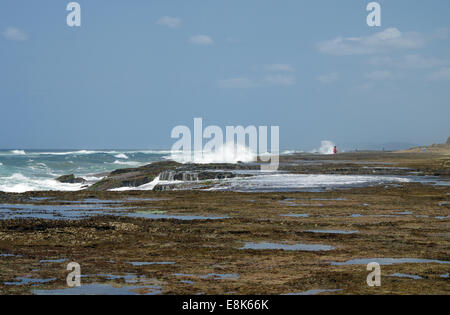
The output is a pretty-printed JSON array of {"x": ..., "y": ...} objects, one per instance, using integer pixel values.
[
  {"x": 19, "y": 183},
  {"x": 228, "y": 153},
  {"x": 121, "y": 156},
  {"x": 131, "y": 163},
  {"x": 326, "y": 147},
  {"x": 18, "y": 152}
]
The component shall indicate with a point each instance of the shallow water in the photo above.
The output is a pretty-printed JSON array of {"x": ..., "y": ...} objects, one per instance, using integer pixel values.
[
  {"x": 128, "y": 278},
  {"x": 55, "y": 212},
  {"x": 187, "y": 281},
  {"x": 10, "y": 255},
  {"x": 100, "y": 289},
  {"x": 303, "y": 182},
  {"x": 388, "y": 261},
  {"x": 314, "y": 292},
  {"x": 294, "y": 215},
  {"x": 220, "y": 276},
  {"x": 144, "y": 263},
  {"x": 296, "y": 247},
  {"x": 404, "y": 213},
  {"x": 404, "y": 275},
  {"x": 155, "y": 216},
  {"x": 25, "y": 281}
]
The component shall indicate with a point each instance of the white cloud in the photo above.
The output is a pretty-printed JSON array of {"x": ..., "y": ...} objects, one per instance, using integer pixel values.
[
  {"x": 442, "y": 74},
  {"x": 170, "y": 22},
  {"x": 13, "y": 33},
  {"x": 201, "y": 40},
  {"x": 380, "y": 75},
  {"x": 384, "y": 41},
  {"x": 279, "y": 79},
  {"x": 409, "y": 62},
  {"x": 328, "y": 77},
  {"x": 237, "y": 83},
  {"x": 279, "y": 67}
]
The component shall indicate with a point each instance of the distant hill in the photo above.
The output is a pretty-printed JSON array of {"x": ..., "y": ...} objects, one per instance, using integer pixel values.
[
  {"x": 387, "y": 146},
  {"x": 434, "y": 148}
]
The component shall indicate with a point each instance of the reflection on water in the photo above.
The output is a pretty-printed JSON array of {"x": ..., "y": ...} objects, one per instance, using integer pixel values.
[
  {"x": 25, "y": 281},
  {"x": 144, "y": 263},
  {"x": 102, "y": 289},
  {"x": 404, "y": 275},
  {"x": 294, "y": 215},
  {"x": 55, "y": 212},
  {"x": 299, "y": 247},
  {"x": 156, "y": 216}
]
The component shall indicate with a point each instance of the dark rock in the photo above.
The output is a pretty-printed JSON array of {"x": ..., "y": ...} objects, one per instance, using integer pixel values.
[
  {"x": 133, "y": 177},
  {"x": 71, "y": 179},
  {"x": 167, "y": 170}
]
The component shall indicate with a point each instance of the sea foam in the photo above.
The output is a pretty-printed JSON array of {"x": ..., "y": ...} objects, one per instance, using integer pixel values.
[
  {"x": 228, "y": 153},
  {"x": 19, "y": 183}
]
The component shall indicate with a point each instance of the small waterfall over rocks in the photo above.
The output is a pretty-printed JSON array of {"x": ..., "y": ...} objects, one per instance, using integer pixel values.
[
  {"x": 186, "y": 176},
  {"x": 192, "y": 176}
]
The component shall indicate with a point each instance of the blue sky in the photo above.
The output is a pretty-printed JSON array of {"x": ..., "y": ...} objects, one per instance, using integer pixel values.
[{"x": 136, "y": 69}]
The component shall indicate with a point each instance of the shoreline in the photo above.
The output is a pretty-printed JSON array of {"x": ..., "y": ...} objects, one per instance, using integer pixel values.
[{"x": 192, "y": 242}]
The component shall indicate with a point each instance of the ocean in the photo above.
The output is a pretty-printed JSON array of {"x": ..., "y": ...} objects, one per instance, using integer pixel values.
[{"x": 32, "y": 170}]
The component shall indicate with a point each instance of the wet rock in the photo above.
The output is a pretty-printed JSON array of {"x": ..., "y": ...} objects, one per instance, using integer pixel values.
[
  {"x": 71, "y": 179},
  {"x": 169, "y": 171},
  {"x": 133, "y": 177}
]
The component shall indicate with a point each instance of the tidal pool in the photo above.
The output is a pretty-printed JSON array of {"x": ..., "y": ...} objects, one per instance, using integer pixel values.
[
  {"x": 55, "y": 212},
  {"x": 156, "y": 216},
  {"x": 295, "y": 247},
  {"x": 144, "y": 263},
  {"x": 101, "y": 289},
  {"x": 295, "y": 215},
  {"x": 404, "y": 275},
  {"x": 25, "y": 281}
]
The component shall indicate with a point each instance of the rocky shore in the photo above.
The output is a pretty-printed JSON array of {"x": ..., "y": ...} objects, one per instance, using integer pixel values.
[
  {"x": 199, "y": 242},
  {"x": 361, "y": 163}
]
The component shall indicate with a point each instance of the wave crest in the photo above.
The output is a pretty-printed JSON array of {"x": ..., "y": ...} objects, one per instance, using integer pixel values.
[{"x": 228, "y": 153}]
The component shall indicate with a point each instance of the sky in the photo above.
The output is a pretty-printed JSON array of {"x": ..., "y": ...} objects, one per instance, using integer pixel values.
[{"x": 136, "y": 69}]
